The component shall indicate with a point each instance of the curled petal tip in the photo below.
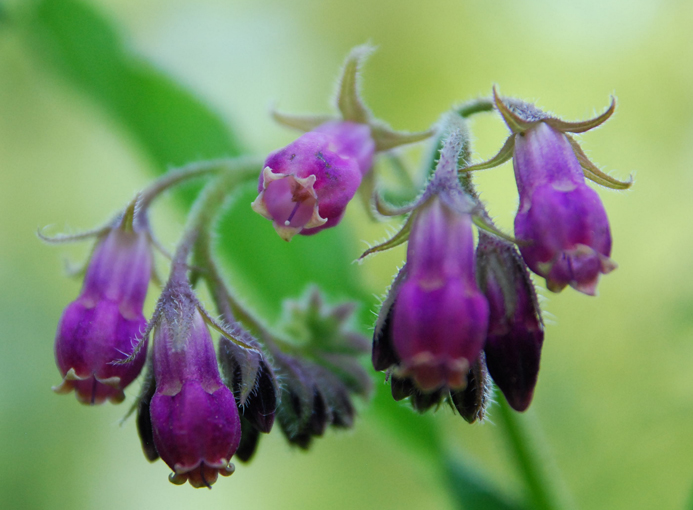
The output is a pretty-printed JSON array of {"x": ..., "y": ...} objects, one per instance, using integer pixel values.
[
  {"x": 285, "y": 232},
  {"x": 113, "y": 382},
  {"x": 71, "y": 375},
  {"x": 63, "y": 388},
  {"x": 607, "y": 265},
  {"x": 117, "y": 397},
  {"x": 258, "y": 205},
  {"x": 588, "y": 288},
  {"x": 177, "y": 479},
  {"x": 228, "y": 470},
  {"x": 555, "y": 286}
]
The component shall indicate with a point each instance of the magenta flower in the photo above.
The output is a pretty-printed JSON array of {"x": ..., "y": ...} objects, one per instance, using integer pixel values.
[
  {"x": 561, "y": 221},
  {"x": 432, "y": 327},
  {"x": 561, "y": 224},
  {"x": 103, "y": 324},
  {"x": 440, "y": 317},
  {"x": 194, "y": 419},
  {"x": 306, "y": 186}
]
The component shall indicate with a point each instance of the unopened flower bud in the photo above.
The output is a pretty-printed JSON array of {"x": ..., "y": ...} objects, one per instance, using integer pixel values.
[
  {"x": 472, "y": 401},
  {"x": 253, "y": 382},
  {"x": 515, "y": 332},
  {"x": 104, "y": 323},
  {"x": 312, "y": 399}
]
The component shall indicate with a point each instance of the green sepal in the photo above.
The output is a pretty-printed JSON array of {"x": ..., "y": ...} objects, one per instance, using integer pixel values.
[
  {"x": 504, "y": 154},
  {"x": 349, "y": 100},
  {"x": 585, "y": 125},
  {"x": 516, "y": 123},
  {"x": 300, "y": 122},
  {"x": 399, "y": 238},
  {"x": 593, "y": 173}
]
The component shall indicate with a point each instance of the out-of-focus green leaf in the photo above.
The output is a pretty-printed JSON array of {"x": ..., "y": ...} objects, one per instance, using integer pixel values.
[{"x": 173, "y": 127}]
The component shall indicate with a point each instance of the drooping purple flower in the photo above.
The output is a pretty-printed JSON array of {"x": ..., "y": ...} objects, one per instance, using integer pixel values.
[
  {"x": 515, "y": 330},
  {"x": 440, "y": 317},
  {"x": 306, "y": 186},
  {"x": 194, "y": 419},
  {"x": 561, "y": 222},
  {"x": 102, "y": 325},
  {"x": 431, "y": 327}
]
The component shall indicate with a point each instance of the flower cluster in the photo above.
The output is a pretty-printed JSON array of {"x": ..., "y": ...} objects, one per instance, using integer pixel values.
[
  {"x": 457, "y": 316},
  {"x": 452, "y": 318}
]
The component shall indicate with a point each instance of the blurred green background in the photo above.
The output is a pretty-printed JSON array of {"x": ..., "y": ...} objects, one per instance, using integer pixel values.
[{"x": 614, "y": 402}]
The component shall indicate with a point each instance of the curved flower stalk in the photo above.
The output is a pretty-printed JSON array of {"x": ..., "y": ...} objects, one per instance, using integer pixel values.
[
  {"x": 306, "y": 186},
  {"x": 196, "y": 418},
  {"x": 561, "y": 221}
]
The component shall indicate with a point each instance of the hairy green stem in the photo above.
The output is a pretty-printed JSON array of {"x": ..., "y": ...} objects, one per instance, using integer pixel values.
[
  {"x": 196, "y": 169},
  {"x": 210, "y": 200},
  {"x": 197, "y": 238},
  {"x": 474, "y": 106}
]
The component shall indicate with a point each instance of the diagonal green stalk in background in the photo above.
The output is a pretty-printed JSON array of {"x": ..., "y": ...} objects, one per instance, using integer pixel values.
[{"x": 173, "y": 127}]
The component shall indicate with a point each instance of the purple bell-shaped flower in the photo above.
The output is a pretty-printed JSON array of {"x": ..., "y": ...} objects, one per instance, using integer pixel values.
[
  {"x": 194, "y": 419},
  {"x": 440, "y": 317},
  {"x": 104, "y": 323}
]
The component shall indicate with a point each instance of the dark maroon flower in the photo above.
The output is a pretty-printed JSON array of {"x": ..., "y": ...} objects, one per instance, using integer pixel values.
[
  {"x": 103, "y": 324},
  {"x": 515, "y": 330},
  {"x": 194, "y": 420}
]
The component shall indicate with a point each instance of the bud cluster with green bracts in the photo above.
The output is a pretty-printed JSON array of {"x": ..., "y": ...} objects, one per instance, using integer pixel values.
[{"x": 461, "y": 314}]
